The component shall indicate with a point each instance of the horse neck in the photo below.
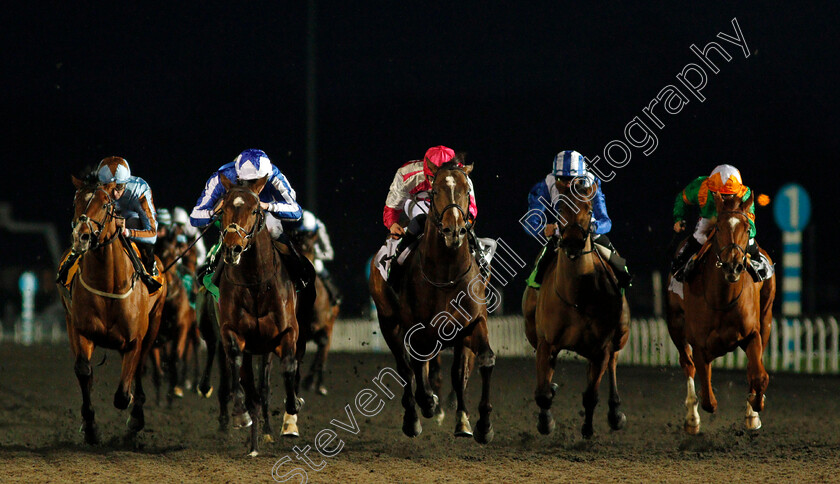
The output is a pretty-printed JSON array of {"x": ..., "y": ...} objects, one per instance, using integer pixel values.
[
  {"x": 107, "y": 267},
  {"x": 257, "y": 263},
  {"x": 573, "y": 271},
  {"x": 443, "y": 262}
]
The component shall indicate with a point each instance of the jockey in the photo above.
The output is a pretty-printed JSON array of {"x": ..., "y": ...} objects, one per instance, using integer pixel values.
[
  {"x": 725, "y": 180},
  {"x": 277, "y": 198},
  {"x": 409, "y": 193},
  {"x": 181, "y": 224},
  {"x": 323, "y": 251},
  {"x": 164, "y": 220},
  {"x": 568, "y": 166}
]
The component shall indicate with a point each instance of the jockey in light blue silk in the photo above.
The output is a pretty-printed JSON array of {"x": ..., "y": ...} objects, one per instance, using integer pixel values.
[
  {"x": 570, "y": 167},
  {"x": 277, "y": 199},
  {"x": 323, "y": 249}
]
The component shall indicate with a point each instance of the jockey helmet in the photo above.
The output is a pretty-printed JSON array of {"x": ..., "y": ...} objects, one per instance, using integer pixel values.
[
  {"x": 726, "y": 180},
  {"x": 437, "y": 155},
  {"x": 572, "y": 164},
  {"x": 180, "y": 216},
  {"x": 252, "y": 165},
  {"x": 113, "y": 169},
  {"x": 308, "y": 222},
  {"x": 164, "y": 218}
]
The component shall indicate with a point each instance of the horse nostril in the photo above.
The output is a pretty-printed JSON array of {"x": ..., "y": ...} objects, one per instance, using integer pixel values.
[
  {"x": 462, "y": 232},
  {"x": 447, "y": 231},
  {"x": 84, "y": 237}
]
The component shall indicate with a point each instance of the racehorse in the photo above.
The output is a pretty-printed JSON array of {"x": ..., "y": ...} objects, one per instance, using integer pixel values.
[
  {"x": 107, "y": 306},
  {"x": 723, "y": 309},
  {"x": 579, "y": 307},
  {"x": 414, "y": 316},
  {"x": 177, "y": 321},
  {"x": 323, "y": 316},
  {"x": 257, "y": 308}
]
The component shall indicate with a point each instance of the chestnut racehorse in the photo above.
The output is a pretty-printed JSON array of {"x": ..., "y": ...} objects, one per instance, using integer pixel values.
[
  {"x": 257, "y": 308},
  {"x": 323, "y": 317},
  {"x": 109, "y": 307},
  {"x": 723, "y": 309},
  {"x": 579, "y": 307},
  {"x": 415, "y": 317}
]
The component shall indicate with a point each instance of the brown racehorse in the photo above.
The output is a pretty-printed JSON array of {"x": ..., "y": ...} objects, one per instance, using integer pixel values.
[
  {"x": 579, "y": 308},
  {"x": 177, "y": 321},
  {"x": 723, "y": 309},
  {"x": 110, "y": 307},
  {"x": 416, "y": 321},
  {"x": 257, "y": 304},
  {"x": 323, "y": 317}
]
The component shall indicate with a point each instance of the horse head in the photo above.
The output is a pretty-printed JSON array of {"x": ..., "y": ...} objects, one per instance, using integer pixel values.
[
  {"x": 575, "y": 209},
  {"x": 451, "y": 190},
  {"x": 93, "y": 215},
  {"x": 305, "y": 242},
  {"x": 732, "y": 234},
  {"x": 242, "y": 216}
]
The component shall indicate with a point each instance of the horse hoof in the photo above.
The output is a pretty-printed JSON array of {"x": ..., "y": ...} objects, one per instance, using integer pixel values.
[
  {"x": 691, "y": 429},
  {"x": 752, "y": 423},
  {"x": 242, "y": 420},
  {"x": 122, "y": 401},
  {"x": 290, "y": 428},
  {"x": 428, "y": 410},
  {"x": 135, "y": 424},
  {"x": 545, "y": 424},
  {"x": 484, "y": 436},
  {"x": 322, "y": 390},
  {"x": 207, "y": 393},
  {"x": 463, "y": 428},
  {"x": 253, "y": 453},
  {"x": 188, "y": 385},
  {"x": 295, "y": 407},
  {"x": 439, "y": 415},
  {"x": 267, "y": 439},
  {"x": 178, "y": 392},
  {"x": 412, "y": 429},
  {"x": 587, "y": 431},
  {"x": 617, "y": 420},
  {"x": 308, "y": 383},
  {"x": 91, "y": 434}
]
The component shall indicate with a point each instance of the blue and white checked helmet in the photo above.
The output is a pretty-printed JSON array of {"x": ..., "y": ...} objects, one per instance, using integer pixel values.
[
  {"x": 252, "y": 165},
  {"x": 572, "y": 163},
  {"x": 113, "y": 169}
]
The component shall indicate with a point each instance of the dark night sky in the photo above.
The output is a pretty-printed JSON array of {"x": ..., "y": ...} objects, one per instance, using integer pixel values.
[{"x": 179, "y": 90}]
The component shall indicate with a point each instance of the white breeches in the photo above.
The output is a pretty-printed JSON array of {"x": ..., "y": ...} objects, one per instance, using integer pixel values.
[
  {"x": 413, "y": 209},
  {"x": 274, "y": 226}
]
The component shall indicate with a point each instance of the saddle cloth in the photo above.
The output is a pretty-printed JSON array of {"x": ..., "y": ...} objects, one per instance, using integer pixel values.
[{"x": 74, "y": 269}]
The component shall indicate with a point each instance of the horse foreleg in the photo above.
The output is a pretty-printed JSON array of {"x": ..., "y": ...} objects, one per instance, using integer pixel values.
[
  {"x": 208, "y": 327},
  {"x": 234, "y": 350},
  {"x": 590, "y": 395},
  {"x": 324, "y": 343},
  {"x": 423, "y": 394},
  {"x": 615, "y": 417},
  {"x": 252, "y": 403},
  {"x": 436, "y": 381},
  {"x": 265, "y": 395},
  {"x": 461, "y": 369},
  {"x": 172, "y": 373},
  {"x": 157, "y": 373},
  {"x": 123, "y": 397},
  {"x": 486, "y": 360},
  {"x": 390, "y": 332},
  {"x": 545, "y": 388},
  {"x": 758, "y": 378},
  {"x": 137, "y": 420},
  {"x": 289, "y": 367},
  {"x": 704, "y": 375},
  {"x": 84, "y": 373},
  {"x": 180, "y": 355},
  {"x": 225, "y": 387}
]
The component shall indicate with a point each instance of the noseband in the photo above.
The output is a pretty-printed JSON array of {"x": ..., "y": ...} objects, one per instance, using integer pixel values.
[
  {"x": 100, "y": 225},
  {"x": 742, "y": 250},
  {"x": 437, "y": 215},
  {"x": 233, "y": 227}
]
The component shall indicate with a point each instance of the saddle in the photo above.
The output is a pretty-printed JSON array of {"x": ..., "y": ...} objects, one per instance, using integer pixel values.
[{"x": 67, "y": 282}]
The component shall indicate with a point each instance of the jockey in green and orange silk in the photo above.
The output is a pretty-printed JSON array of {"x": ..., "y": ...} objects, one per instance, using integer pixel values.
[{"x": 725, "y": 180}]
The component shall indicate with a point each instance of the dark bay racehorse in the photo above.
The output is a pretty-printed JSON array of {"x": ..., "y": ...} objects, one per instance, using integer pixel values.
[
  {"x": 418, "y": 319},
  {"x": 177, "y": 322},
  {"x": 723, "y": 309},
  {"x": 257, "y": 308},
  {"x": 579, "y": 308},
  {"x": 109, "y": 307},
  {"x": 323, "y": 317}
]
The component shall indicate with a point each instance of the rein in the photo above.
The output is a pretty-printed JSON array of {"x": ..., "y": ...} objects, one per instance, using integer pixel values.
[
  {"x": 719, "y": 264},
  {"x": 189, "y": 247}
]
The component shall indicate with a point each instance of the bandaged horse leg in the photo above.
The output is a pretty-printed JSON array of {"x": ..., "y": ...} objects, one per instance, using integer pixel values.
[
  {"x": 692, "y": 416},
  {"x": 758, "y": 379}
]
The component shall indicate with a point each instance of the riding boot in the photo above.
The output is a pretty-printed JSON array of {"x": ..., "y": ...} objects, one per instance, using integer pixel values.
[
  {"x": 300, "y": 268},
  {"x": 64, "y": 270},
  {"x": 412, "y": 233},
  {"x": 680, "y": 265},
  {"x": 332, "y": 289},
  {"x": 478, "y": 253},
  {"x": 147, "y": 254},
  {"x": 618, "y": 263},
  {"x": 544, "y": 261}
]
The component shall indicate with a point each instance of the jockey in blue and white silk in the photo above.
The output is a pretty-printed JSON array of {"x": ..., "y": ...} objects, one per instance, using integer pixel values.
[{"x": 251, "y": 165}]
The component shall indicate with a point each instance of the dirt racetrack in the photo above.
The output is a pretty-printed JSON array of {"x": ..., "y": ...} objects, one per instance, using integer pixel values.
[{"x": 800, "y": 440}]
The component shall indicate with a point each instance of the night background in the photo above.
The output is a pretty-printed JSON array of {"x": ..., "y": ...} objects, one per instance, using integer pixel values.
[{"x": 179, "y": 90}]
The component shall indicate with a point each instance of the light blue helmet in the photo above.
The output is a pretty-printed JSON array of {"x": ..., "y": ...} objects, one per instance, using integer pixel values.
[
  {"x": 252, "y": 165},
  {"x": 164, "y": 218},
  {"x": 572, "y": 163},
  {"x": 113, "y": 169}
]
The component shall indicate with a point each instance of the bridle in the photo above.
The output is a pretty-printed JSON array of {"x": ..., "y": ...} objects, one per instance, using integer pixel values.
[
  {"x": 99, "y": 225},
  {"x": 437, "y": 215},
  {"x": 587, "y": 231},
  {"x": 258, "y": 225},
  {"x": 743, "y": 250}
]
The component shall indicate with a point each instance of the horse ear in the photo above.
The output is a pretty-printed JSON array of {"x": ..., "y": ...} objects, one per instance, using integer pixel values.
[
  {"x": 431, "y": 166},
  {"x": 225, "y": 181},
  {"x": 718, "y": 202},
  {"x": 747, "y": 204},
  {"x": 258, "y": 185},
  {"x": 468, "y": 168},
  {"x": 77, "y": 182}
]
